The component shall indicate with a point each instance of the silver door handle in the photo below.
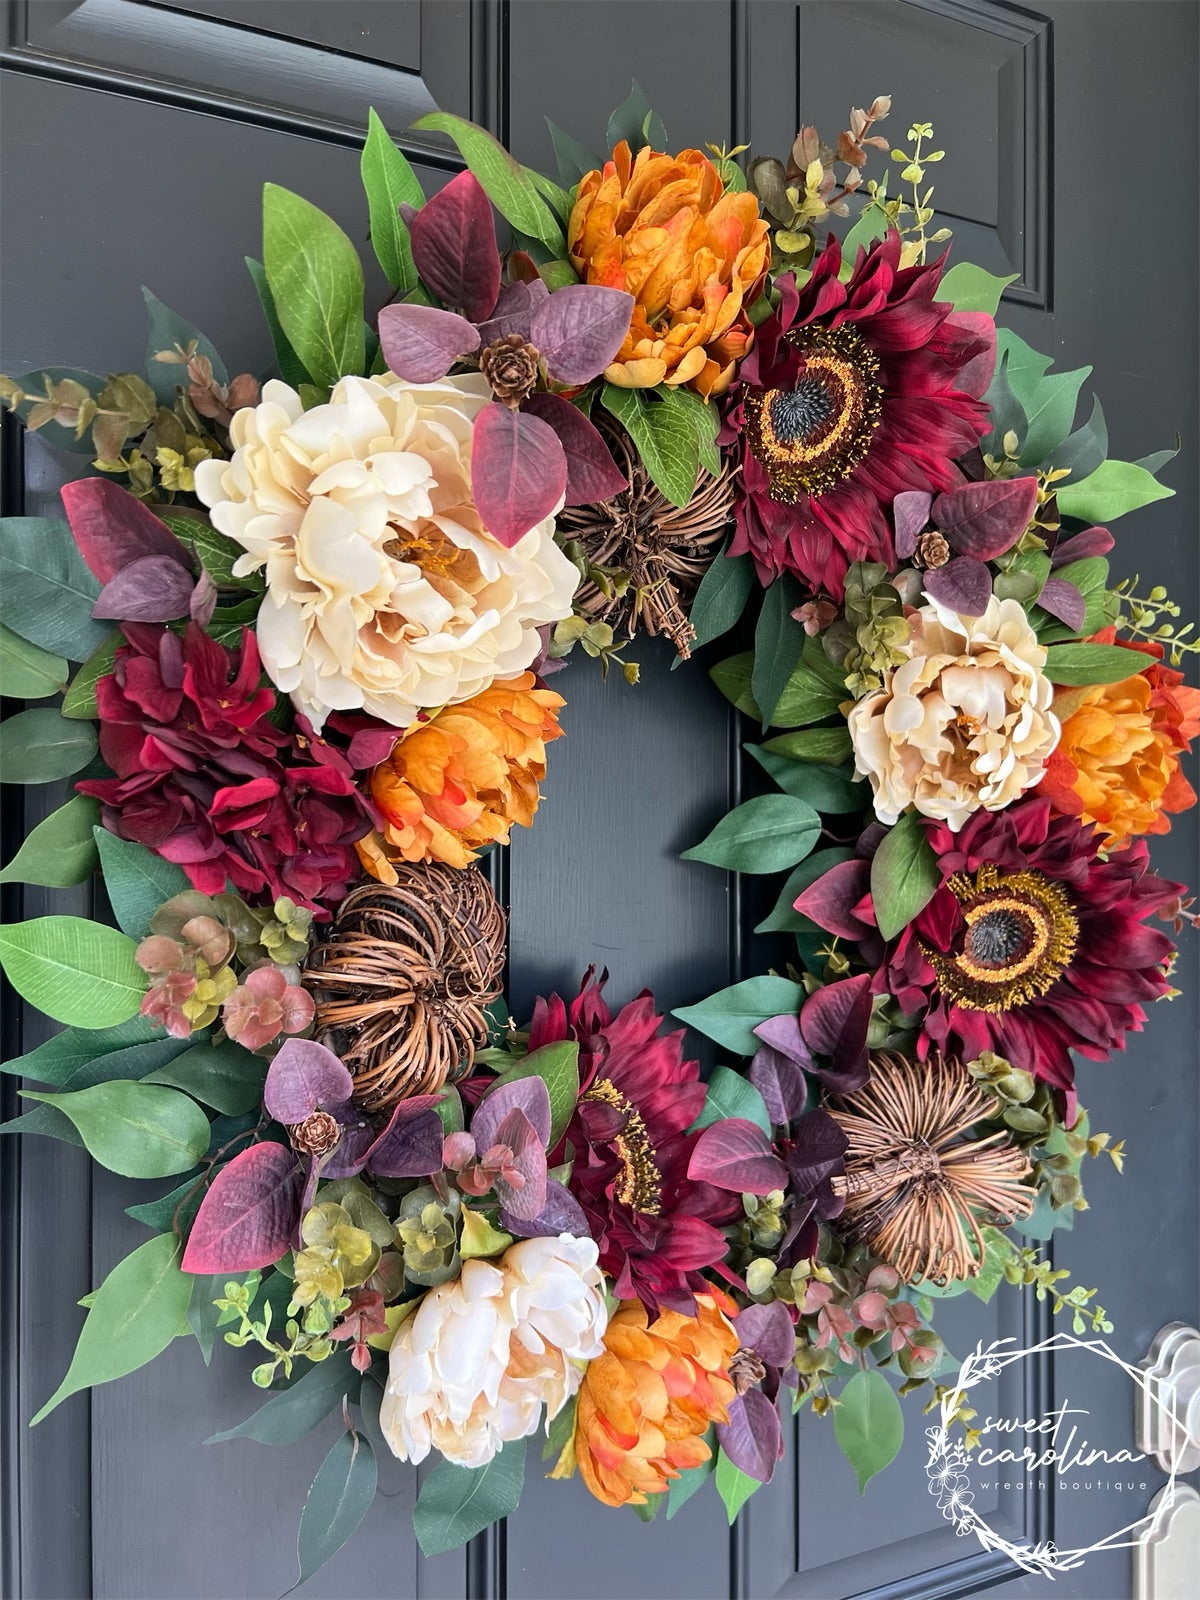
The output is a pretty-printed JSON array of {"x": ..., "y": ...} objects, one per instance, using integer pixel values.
[{"x": 1168, "y": 1421}]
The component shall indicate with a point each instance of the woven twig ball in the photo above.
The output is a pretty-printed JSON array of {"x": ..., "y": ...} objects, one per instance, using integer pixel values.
[
  {"x": 662, "y": 550},
  {"x": 402, "y": 977}
]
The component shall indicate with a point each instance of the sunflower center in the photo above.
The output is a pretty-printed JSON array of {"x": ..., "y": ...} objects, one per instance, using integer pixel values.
[
  {"x": 639, "y": 1183},
  {"x": 1019, "y": 938},
  {"x": 812, "y": 435}
]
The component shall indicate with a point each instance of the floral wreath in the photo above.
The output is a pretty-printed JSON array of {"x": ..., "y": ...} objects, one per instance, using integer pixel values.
[{"x": 316, "y": 620}]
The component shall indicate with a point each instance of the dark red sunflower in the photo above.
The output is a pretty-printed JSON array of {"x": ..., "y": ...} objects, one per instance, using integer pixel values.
[
  {"x": 852, "y": 393},
  {"x": 637, "y": 1098}
]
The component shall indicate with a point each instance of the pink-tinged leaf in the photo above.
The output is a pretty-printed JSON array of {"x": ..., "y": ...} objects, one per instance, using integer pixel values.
[
  {"x": 518, "y": 472},
  {"x": 421, "y": 343},
  {"x": 579, "y": 330},
  {"x": 349, "y": 1157},
  {"x": 203, "y": 601},
  {"x": 736, "y": 1154},
  {"x": 781, "y": 1082},
  {"x": 986, "y": 519},
  {"x": 514, "y": 310},
  {"x": 526, "y": 1199},
  {"x": 561, "y": 1213},
  {"x": 768, "y": 1331},
  {"x": 979, "y": 331},
  {"x": 592, "y": 474},
  {"x": 529, "y": 1095},
  {"x": 369, "y": 746},
  {"x": 150, "y": 589},
  {"x": 753, "y": 1436},
  {"x": 835, "y": 1020},
  {"x": 1064, "y": 601},
  {"x": 305, "y": 1077},
  {"x": 454, "y": 247},
  {"x": 830, "y": 900},
  {"x": 911, "y": 512},
  {"x": 410, "y": 1146},
  {"x": 249, "y": 1214},
  {"x": 963, "y": 584},
  {"x": 113, "y": 528},
  {"x": 782, "y": 1033},
  {"x": 1091, "y": 542}
]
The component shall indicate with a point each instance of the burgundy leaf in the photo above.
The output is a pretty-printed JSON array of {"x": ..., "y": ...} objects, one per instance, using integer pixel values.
[
  {"x": 527, "y": 1199},
  {"x": 781, "y": 1082},
  {"x": 986, "y": 519},
  {"x": 518, "y": 471},
  {"x": 514, "y": 310},
  {"x": 963, "y": 584},
  {"x": 454, "y": 247},
  {"x": 816, "y": 1153},
  {"x": 410, "y": 1146},
  {"x": 203, "y": 600},
  {"x": 349, "y": 1156},
  {"x": 830, "y": 900},
  {"x": 736, "y": 1154},
  {"x": 592, "y": 474},
  {"x": 1091, "y": 542},
  {"x": 579, "y": 330},
  {"x": 529, "y": 1095},
  {"x": 305, "y": 1077},
  {"x": 976, "y": 329},
  {"x": 150, "y": 589},
  {"x": 768, "y": 1331},
  {"x": 834, "y": 1021},
  {"x": 911, "y": 513},
  {"x": 421, "y": 343},
  {"x": 561, "y": 1213},
  {"x": 370, "y": 746},
  {"x": 1064, "y": 601},
  {"x": 753, "y": 1436},
  {"x": 113, "y": 528},
  {"x": 249, "y": 1214}
]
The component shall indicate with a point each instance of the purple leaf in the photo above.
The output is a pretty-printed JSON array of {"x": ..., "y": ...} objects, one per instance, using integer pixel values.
[
  {"x": 411, "y": 1144},
  {"x": 769, "y": 1332},
  {"x": 454, "y": 247},
  {"x": 782, "y": 1033},
  {"x": 781, "y": 1082},
  {"x": 963, "y": 584},
  {"x": 736, "y": 1154},
  {"x": 529, "y": 1095},
  {"x": 753, "y": 1436},
  {"x": 986, "y": 519},
  {"x": 817, "y": 1152},
  {"x": 834, "y": 1021},
  {"x": 203, "y": 601},
  {"x": 113, "y": 528},
  {"x": 1064, "y": 601},
  {"x": 519, "y": 1135},
  {"x": 579, "y": 330},
  {"x": 421, "y": 343},
  {"x": 911, "y": 512},
  {"x": 305, "y": 1077},
  {"x": 249, "y": 1214},
  {"x": 518, "y": 471},
  {"x": 514, "y": 311},
  {"x": 369, "y": 746},
  {"x": 830, "y": 900},
  {"x": 150, "y": 589},
  {"x": 561, "y": 1213},
  {"x": 592, "y": 474},
  {"x": 1091, "y": 542},
  {"x": 349, "y": 1157}
]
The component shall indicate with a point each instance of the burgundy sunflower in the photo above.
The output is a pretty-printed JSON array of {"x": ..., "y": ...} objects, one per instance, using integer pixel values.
[
  {"x": 852, "y": 393},
  {"x": 637, "y": 1098}
]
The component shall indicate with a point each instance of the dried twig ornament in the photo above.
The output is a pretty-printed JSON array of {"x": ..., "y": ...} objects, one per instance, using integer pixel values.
[
  {"x": 402, "y": 978},
  {"x": 917, "y": 1187},
  {"x": 655, "y": 552}
]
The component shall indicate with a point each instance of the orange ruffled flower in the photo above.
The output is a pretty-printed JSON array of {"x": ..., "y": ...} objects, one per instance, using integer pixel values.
[
  {"x": 692, "y": 254},
  {"x": 1117, "y": 762},
  {"x": 645, "y": 1404},
  {"x": 463, "y": 778}
]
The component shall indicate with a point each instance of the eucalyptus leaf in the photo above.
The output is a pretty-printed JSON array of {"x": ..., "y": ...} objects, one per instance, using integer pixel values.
[
  {"x": 316, "y": 283},
  {"x": 295, "y": 1411},
  {"x": 80, "y": 698},
  {"x": 73, "y": 970},
  {"x": 224, "y": 1076},
  {"x": 341, "y": 1495},
  {"x": 61, "y": 851},
  {"x": 46, "y": 590},
  {"x": 27, "y": 672},
  {"x": 40, "y": 746},
  {"x": 731, "y": 1015},
  {"x": 766, "y": 834},
  {"x": 868, "y": 1424},
  {"x": 456, "y": 1503},
  {"x": 732, "y": 1095},
  {"x": 139, "y": 1130},
  {"x": 138, "y": 881},
  {"x": 904, "y": 875},
  {"x": 168, "y": 330}
]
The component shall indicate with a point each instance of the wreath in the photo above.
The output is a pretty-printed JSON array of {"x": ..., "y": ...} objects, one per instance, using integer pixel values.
[{"x": 318, "y": 620}]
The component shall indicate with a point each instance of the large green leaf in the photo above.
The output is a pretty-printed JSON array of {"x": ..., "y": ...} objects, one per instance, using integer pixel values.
[
  {"x": 507, "y": 185},
  {"x": 82, "y": 1066},
  {"x": 80, "y": 698},
  {"x": 67, "y": 1052},
  {"x": 828, "y": 791},
  {"x": 732, "y": 1095},
  {"x": 691, "y": 1480},
  {"x": 721, "y": 597},
  {"x": 731, "y": 1015},
  {"x": 295, "y": 1411},
  {"x": 27, "y": 672},
  {"x": 168, "y": 330},
  {"x": 557, "y": 1065},
  {"x": 767, "y": 834},
  {"x": 135, "y": 1314},
  {"x": 224, "y": 1076},
  {"x": 1113, "y": 489},
  {"x": 733, "y": 1485},
  {"x": 971, "y": 288},
  {"x": 137, "y": 1129},
  {"x": 73, "y": 970},
  {"x": 869, "y": 1424},
  {"x": 665, "y": 436},
  {"x": 456, "y": 1503},
  {"x": 46, "y": 590},
  {"x": 904, "y": 875},
  {"x": 778, "y": 641},
  {"x": 316, "y": 282},
  {"x": 137, "y": 881},
  {"x": 291, "y": 369},
  {"x": 1050, "y": 413},
  {"x": 831, "y": 746},
  {"x": 40, "y": 746},
  {"x": 61, "y": 850},
  {"x": 1076, "y": 665},
  {"x": 389, "y": 181},
  {"x": 340, "y": 1497},
  {"x": 732, "y": 677}
]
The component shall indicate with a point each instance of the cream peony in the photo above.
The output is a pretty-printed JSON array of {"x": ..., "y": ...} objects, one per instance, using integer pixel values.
[
  {"x": 963, "y": 724},
  {"x": 473, "y": 1366},
  {"x": 384, "y": 591}
]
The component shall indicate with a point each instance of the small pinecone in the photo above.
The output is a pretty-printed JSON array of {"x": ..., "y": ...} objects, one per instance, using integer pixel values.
[
  {"x": 932, "y": 549},
  {"x": 317, "y": 1135},
  {"x": 511, "y": 367}
]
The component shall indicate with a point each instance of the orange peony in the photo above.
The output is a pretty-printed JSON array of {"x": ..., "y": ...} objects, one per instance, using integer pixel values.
[
  {"x": 463, "y": 778},
  {"x": 646, "y": 1403},
  {"x": 1117, "y": 762},
  {"x": 692, "y": 254}
]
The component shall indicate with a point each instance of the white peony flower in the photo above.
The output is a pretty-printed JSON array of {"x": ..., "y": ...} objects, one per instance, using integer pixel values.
[
  {"x": 963, "y": 724},
  {"x": 384, "y": 591},
  {"x": 473, "y": 1366}
]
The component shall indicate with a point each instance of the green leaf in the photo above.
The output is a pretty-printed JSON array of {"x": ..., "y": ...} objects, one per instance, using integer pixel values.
[
  {"x": 216, "y": 551},
  {"x": 84, "y": 1066},
  {"x": 731, "y": 1095},
  {"x": 573, "y": 160},
  {"x": 872, "y": 224},
  {"x": 721, "y": 597},
  {"x": 139, "y": 1130},
  {"x": 61, "y": 850},
  {"x": 40, "y": 746},
  {"x": 1113, "y": 489},
  {"x": 224, "y": 1076},
  {"x": 1076, "y": 665},
  {"x": 767, "y": 834},
  {"x": 137, "y": 881},
  {"x": 135, "y": 1314},
  {"x": 785, "y": 918},
  {"x": 341, "y": 1495},
  {"x": 555, "y": 196},
  {"x": 166, "y": 331},
  {"x": 828, "y": 745},
  {"x": 904, "y": 875},
  {"x": 868, "y": 1424},
  {"x": 456, "y": 1503},
  {"x": 691, "y": 1480},
  {"x": 998, "y": 1248},
  {"x": 295, "y": 1411},
  {"x": 778, "y": 641},
  {"x": 636, "y": 122},
  {"x": 1158, "y": 459},
  {"x": 732, "y": 677},
  {"x": 733, "y": 1485},
  {"x": 74, "y": 1048},
  {"x": 80, "y": 698},
  {"x": 665, "y": 437},
  {"x": 970, "y": 288},
  {"x": 705, "y": 420},
  {"x": 73, "y": 970},
  {"x": 316, "y": 281},
  {"x": 291, "y": 369},
  {"x": 824, "y": 788},
  {"x": 479, "y": 1238},
  {"x": 557, "y": 274},
  {"x": 450, "y": 1109},
  {"x": 202, "y": 1313},
  {"x": 388, "y": 181},
  {"x": 1049, "y": 413},
  {"x": 731, "y": 1015},
  {"x": 1086, "y": 448},
  {"x": 55, "y": 433},
  {"x": 557, "y": 1065},
  {"x": 27, "y": 672},
  {"x": 505, "y": 181},
  {"x": 46, "y": 590},
  {"x": 1025, "y": 367},
  {"x": 1090, "y": 577},
  {"x": 814, "y": 690}
]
